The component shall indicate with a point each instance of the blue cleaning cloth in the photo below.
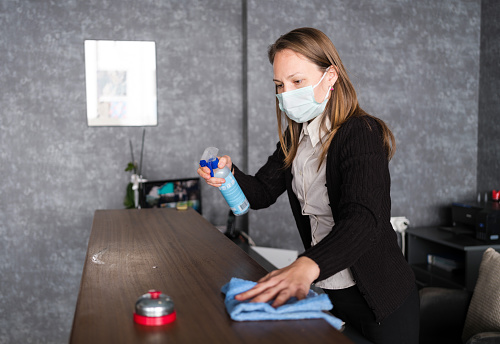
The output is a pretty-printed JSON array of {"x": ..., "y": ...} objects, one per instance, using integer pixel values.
[{"x": 311, "y": 307}]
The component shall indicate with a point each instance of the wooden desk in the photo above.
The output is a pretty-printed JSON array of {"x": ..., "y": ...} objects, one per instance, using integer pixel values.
[{"x": 185, "y": 257}]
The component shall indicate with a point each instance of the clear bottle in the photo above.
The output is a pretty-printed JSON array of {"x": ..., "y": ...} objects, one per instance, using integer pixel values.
[{"x": 231, "y": 191}]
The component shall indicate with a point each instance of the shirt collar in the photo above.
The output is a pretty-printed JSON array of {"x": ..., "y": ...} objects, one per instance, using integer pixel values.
[{"x": 312, "y": 130}]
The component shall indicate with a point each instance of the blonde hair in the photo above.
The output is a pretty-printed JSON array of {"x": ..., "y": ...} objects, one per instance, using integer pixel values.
[{"x": 343, "y": 103}]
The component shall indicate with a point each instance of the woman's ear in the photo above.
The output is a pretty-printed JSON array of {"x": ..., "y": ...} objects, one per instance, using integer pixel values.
[{"x": 333, "y": 74}]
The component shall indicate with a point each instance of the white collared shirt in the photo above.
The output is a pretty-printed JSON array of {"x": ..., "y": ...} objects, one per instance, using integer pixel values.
[{"x": 309, "y": 185}]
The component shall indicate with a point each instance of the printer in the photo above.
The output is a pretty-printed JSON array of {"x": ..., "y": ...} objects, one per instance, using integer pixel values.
[{"x": 481, "y": 218}]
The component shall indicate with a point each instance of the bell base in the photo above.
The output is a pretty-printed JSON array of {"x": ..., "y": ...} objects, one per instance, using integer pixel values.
[{"x": 155, "y": 321}]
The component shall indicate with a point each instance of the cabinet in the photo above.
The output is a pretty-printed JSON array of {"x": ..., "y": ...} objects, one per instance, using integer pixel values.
[{"x": 464, "y": 248}]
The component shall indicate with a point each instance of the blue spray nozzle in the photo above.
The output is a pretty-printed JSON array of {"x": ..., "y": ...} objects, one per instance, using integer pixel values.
[
  {"x": 211, "y": 164},
  {"x": 209, "y": 159}
]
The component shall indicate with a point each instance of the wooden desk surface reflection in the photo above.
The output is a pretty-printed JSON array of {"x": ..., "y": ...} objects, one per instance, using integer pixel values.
[{"x": 184, "y": 256}]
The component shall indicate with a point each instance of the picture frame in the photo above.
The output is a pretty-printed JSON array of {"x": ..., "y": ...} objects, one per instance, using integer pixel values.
[{"x": 121, "y": 83}]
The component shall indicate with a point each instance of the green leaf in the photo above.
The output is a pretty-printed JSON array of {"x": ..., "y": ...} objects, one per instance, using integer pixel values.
[
  {"x": 129, "y": 201},
  {"x": 130, "y": 167}
]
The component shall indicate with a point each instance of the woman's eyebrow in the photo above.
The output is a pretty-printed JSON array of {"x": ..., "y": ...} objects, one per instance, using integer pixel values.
[{"x": 288, "y": 77}]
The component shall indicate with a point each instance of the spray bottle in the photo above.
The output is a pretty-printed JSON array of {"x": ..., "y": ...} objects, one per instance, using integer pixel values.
[{"x": 230, "y": 189}]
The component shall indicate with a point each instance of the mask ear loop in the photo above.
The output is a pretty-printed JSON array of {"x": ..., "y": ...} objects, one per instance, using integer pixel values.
[{"x": 324, "y": 74}]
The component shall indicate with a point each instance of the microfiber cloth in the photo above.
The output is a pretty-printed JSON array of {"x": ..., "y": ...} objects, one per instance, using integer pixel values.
[{"x": 311, "y": 307}]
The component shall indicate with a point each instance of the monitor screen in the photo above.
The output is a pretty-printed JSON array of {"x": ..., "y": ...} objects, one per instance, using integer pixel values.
[{"x": 171, "y": 193}]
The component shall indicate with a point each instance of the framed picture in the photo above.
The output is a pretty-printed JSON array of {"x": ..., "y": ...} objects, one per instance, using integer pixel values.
[
  {"x": 121, "y": 83},
  {"x": 171, "y": 193}
]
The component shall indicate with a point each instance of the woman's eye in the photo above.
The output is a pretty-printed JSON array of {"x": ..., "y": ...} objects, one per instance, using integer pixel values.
[
  {"x": 297, "y": 82},
  {"x": 279, "y": 86}
]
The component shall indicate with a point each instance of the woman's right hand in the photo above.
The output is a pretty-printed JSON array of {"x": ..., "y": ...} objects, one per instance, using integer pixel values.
[{"x": 204, "y": 172}]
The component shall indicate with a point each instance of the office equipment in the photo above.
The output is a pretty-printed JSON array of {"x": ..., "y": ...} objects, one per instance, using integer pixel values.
[
  {"x": 184, "y": 256},
  {"x": 171, "y": 193},
  {"x": 481, "y": 219}
]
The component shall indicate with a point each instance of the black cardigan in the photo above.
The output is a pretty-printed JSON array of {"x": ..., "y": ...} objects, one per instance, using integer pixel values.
[{"x": 358, "y": 182}]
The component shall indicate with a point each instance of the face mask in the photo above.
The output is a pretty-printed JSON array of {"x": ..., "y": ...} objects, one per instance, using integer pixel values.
[{"x": 300, "y": 105}]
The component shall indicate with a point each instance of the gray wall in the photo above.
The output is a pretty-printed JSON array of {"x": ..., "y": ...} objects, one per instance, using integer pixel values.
[
  {"x": 488, "y": 171},
  {"x": 415, "y": 64},
  {"x": 57, "y": 171}
]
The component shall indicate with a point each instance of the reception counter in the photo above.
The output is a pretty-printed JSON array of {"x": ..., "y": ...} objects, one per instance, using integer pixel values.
[{"x": 181, "y": 254}]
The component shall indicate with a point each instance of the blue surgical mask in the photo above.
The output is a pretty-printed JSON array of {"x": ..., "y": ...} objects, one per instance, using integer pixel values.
[{"x": 300, "y": 105}]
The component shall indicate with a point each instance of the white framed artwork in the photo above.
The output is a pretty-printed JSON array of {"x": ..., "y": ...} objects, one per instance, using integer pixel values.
[{"x": 121, "y": 83}]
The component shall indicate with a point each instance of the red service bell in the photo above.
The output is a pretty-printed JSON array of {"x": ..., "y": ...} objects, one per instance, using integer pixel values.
[{"x": 154, "y": 309}]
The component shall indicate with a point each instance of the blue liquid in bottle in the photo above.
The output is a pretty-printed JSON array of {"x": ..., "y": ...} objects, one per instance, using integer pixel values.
[{"x": 231, "y": 191}]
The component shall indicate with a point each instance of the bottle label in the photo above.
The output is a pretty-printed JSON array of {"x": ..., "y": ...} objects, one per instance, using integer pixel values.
[{"x": 234, "y": 195}]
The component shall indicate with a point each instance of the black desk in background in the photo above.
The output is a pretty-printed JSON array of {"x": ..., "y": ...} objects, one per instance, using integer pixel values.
[{"x": 435, "y": 241}]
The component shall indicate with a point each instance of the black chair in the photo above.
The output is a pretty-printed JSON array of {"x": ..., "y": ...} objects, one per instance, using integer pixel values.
[
  {"x": 452, "y": 316},
  {"x": 442, "y": 315}
]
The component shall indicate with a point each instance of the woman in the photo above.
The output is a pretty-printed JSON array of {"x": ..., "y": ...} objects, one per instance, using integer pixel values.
[{"x": 332, "y": 159}]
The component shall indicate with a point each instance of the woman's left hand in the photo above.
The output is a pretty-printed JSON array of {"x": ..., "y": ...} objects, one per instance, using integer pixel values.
[{"x": 281, "y": 285}]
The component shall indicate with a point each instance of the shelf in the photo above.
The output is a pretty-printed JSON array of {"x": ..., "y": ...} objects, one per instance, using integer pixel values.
[
  {"x": 429, "y": 275},
  {"x": 464, "y": 242},
  {"x": 433, "y": 240}
]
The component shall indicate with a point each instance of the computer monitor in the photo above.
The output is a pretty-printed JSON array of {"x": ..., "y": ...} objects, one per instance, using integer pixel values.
[{"x": 171, "y": 193}]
